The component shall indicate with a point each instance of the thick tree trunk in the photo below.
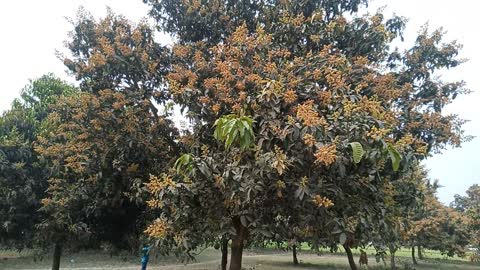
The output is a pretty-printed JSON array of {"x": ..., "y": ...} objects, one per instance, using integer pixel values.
[
  {"x": 413, "y": 255},
  {"x": 236, "y": 254},
  {"x": 224, "y": 249},
  {"x": 237, "y": 244},
  {"x": 295, "y": 259},
  {"x": 351, "y": 261},
  {"x": 57, "y": 253},
  {"x": 392, "y": 260},
  {"x": 420, "y": 254}
]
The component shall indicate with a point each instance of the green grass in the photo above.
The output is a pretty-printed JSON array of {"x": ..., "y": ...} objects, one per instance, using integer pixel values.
[{"x": 269, "y": 259}]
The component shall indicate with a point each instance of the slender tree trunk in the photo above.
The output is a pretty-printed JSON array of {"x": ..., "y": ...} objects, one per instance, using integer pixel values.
[
  {"x": 57, "y": 253},
  {"x": 413, "y": 255},
  {"x": 237, "y": 244},
  {"x": 224, "y": 249},
  {"x": 351, "y": 261},
  {"x": 392, "y": 259},
  {"x": 295, "y": 259},
  {"x": 420, "y": 254}
]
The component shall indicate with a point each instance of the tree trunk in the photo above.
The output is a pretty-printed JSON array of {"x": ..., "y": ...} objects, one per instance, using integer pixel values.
[
  {"x": 57, "y": 253},
  {"x": 392, "y": 260},
  {"x": 413, "y": 255},
  {"x": 224, "y": 249},
  {"x": 295, "y": 259},
  {"x": 237, "y": 244},
  {"x": 351, "y": 261},
  {"x": 420, "y": 254}
]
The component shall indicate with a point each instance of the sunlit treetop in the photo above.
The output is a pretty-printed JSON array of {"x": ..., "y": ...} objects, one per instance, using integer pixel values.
[{"x": 113, "y": 53}]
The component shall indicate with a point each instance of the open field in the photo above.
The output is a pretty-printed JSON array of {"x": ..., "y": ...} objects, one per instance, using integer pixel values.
[{"x": 209, "y": 259}]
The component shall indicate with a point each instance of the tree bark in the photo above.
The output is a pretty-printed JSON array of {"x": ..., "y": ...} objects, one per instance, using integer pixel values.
[
  {"x": 295, "y": 259},
  {"x": 420, "y": 254},
  {"x": 392, "y": 260},
  {"x": 57, "y": 253},
  {"x": 237, "y": 244},
  {"x": 351, "y": 261},
  {"x": 413, "y": 255},
  {"x": 224, "y": 249}
]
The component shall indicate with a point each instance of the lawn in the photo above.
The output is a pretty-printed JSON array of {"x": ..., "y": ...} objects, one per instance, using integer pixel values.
[{"x": 209, "y": 259}]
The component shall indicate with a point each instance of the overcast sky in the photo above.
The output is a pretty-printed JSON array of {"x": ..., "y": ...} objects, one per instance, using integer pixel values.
[{"x": 32, "y": 30}]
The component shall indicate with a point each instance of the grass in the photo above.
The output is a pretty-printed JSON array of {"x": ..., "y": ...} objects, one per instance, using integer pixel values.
[{"x": 269, "y": 259}]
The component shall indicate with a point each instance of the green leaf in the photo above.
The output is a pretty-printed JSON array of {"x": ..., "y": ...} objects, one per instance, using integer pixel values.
[
  {"x": 184, "y": 163},
  {"x": 358, "y": 151},
  {"x": 395, "y": 157},
  {"x": 232, "y": 129}
]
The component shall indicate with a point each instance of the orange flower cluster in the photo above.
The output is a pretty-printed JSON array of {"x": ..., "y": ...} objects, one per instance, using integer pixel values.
[
  {"x": 240, "y": 35},
  {"x": 236, "y": 107},
  {"x": 361, "y": 61},
  {"x": 295, "y": 20},
  {"x": 158, "y": 229},
  {"x": 46, "y": 201},
  {"x": 154, "y": 204},
  {"x": 334, "y": 78},
  {"x": 181, "y": 51},
  {"x": 308, "y": 114},
  {"x": 309, "y": 139},
  {"x": 216, "y": 108},
  {"x": 290, "y": 97},
  {"x": 137, "y": 36},
  {"x": 377, "y": 133},
  {"x": 421, "y": 148},
  {"x": 371, "y": 106},
  {"x": 326, "y": 154},
  {"x": 96, "y": 60},
  {"x": 156, "y": 185},
  {"x": 242, "y": 96},
  {"x": 175, "y": 87},
  {"x": 204, "y": 99},
  {"x": 106, "y": 46},
  {"x": 405, "y": 141},
  {"x": 325, "y": 97},
  {"x": 390, "y": 119},
  {"x": 320, "y": 201}
]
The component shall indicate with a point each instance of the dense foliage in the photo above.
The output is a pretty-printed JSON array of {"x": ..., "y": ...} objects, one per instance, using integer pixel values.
[
  {"x": 318, "y": 87},
  {"x": 22, "y": 178},
  {"x": 469, "y": 206}
]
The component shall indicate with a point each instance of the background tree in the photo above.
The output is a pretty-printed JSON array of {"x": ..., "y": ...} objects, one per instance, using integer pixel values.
[
  {"x": 101, "y": 145},
  {"x": 22, "y": 178},
  {"x": 438, "y": 227},
  {"x": 469, "y": 205},
  {"x": 402, "y": 200}
]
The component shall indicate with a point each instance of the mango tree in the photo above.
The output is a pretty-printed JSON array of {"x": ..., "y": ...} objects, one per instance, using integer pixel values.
[
  {"x": 469, "y": 205},
  {"x": 101, "y": 145},
  {"x": 23, "y": 179},
  {"x": 305, "y": 75}
]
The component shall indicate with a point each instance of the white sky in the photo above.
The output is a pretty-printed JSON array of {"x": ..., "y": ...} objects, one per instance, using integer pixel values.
[{"x": 32, "y": 30}]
